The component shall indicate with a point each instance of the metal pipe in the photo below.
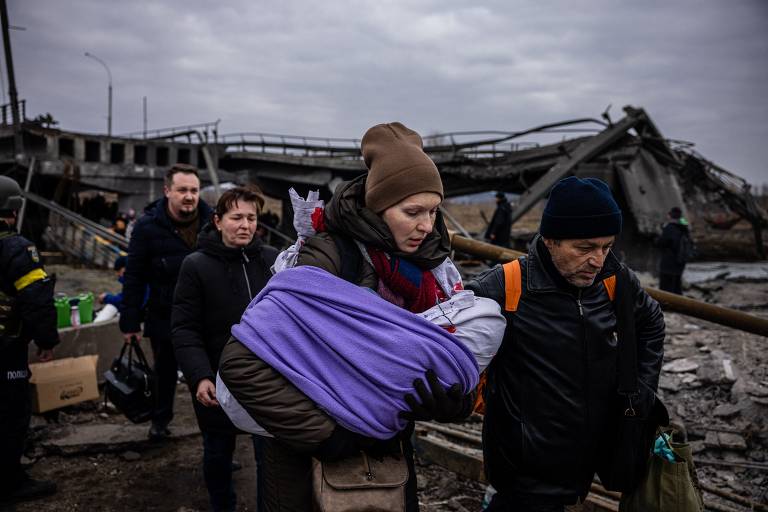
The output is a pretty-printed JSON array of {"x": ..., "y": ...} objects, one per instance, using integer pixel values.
[
  {"x": 27, "y": 184},
  {"x": 669, "y": 301}
]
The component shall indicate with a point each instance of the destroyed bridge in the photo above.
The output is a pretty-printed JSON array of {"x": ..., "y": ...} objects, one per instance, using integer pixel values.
[{"x": 648, "y": 173}]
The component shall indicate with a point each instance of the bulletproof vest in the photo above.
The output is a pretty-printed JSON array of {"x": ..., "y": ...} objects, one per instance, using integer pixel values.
[{"x": 10, "y": 323}]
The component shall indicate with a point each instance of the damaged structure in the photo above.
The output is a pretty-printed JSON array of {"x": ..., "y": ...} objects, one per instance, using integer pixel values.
[{"x": 648, "y": 173}]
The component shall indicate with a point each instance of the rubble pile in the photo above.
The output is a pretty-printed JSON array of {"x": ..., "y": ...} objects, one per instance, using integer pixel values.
[{"x": 714, "y": 382}]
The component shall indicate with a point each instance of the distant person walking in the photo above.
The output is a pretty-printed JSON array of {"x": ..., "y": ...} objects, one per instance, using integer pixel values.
[
  {"x": 161, "y": 239},
  {"x": 501, "y": 222},
  {"x": 676, "y": 250},
  {"x": 216, "y": 284}
]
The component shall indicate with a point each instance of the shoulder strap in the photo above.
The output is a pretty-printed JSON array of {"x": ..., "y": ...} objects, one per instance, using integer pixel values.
[
  {"x": 513, "y": 285},
  {"x": 610, "y": 286},
  {"x": 351, "y": 259},
  {"x": 627, "y": 340}
]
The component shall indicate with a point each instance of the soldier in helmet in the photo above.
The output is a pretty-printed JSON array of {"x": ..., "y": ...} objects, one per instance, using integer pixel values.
[{"x": 26, "y": 313}]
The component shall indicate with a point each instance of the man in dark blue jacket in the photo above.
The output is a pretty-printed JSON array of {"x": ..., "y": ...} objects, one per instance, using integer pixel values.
[
  {"x": 160, "y": 241},
  {"x": 552, "y": 394},
  {"x": 673, "y": 259},
  {"x": 498, "y": 231},
  {"x": 26, "y": 313}
]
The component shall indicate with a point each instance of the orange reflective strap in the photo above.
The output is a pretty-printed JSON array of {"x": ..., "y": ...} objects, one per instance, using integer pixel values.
[
  {"x": 513, "y": 285},
  {"x": 479, "y": 407},
  {"x": 610, "y": 286}
]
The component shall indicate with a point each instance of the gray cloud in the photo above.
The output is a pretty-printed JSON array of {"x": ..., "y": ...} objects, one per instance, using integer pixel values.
[{"x": 335, "y": 68}]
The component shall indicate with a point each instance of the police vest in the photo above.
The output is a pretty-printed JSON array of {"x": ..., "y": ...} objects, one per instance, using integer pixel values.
[
  {"x": 513, "y": 289},
  {"x": 10, "y": 324}
]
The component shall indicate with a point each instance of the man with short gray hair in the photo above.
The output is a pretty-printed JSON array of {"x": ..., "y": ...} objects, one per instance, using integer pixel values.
[{"x": 552, "y": 391}]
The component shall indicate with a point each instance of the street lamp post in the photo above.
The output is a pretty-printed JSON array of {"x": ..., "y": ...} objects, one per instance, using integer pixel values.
[{"x": 109, "y": 91}]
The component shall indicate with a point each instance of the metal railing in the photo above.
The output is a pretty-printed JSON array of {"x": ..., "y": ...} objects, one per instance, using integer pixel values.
[
  {"x": 80, "y": 237},
  {"x": 208, "y": 131},
  {"x": 470, "y": 144},
  {"x": 6, "y": 109}
]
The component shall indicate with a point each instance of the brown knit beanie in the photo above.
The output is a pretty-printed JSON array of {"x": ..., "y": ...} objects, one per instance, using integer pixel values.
[{"x": 397, "y": 166}]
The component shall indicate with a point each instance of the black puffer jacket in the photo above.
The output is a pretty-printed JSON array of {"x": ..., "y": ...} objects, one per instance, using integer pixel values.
[
  {"x": 215, "y": 285},
  {"x": 551, "y": 392},
  {"x": 155, "y": 254}
]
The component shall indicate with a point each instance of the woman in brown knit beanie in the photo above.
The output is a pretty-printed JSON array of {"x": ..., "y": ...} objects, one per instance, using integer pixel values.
[{"x": 382, "y": 231}]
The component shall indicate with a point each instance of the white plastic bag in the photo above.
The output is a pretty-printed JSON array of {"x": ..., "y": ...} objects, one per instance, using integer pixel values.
[
  {"x": 108, "y": 312},
  {"x": 302, "y": 223}
]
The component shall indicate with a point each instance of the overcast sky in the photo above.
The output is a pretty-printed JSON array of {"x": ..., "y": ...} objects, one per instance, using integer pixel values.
[{"x": 334, "y": 68}]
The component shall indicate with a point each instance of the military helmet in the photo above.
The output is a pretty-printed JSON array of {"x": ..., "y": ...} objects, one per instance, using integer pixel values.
[{"x": 10, "y": 195}]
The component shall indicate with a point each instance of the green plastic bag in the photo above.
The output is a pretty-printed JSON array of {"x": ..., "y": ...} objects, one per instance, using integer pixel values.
[{"x": 667, "y": 486}]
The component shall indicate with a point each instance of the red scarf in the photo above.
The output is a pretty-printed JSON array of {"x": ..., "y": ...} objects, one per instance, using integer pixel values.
[{"x": 417, "y": 287}]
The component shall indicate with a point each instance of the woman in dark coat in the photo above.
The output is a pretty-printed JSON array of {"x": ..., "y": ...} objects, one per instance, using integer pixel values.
[
  {"x": 215, "y": 285},
  {"x": 392, "y": 212}
]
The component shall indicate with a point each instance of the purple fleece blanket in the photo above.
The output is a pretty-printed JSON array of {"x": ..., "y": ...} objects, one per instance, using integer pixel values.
[{"x": 351, "y": 352}]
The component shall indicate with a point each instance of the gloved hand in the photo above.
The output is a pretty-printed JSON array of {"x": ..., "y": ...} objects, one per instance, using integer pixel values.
[{"x": 443, "y": 405}]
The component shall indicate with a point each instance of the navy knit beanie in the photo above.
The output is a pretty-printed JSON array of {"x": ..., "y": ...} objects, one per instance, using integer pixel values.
[{"x": 580, "y": 208}]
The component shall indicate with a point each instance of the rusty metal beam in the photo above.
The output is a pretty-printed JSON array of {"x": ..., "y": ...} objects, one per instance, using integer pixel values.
[
  {"x": 669, "y": 301},
  {"x": 568, "y": 163}
]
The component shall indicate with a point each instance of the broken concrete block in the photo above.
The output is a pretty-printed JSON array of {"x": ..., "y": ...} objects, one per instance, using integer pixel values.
[
  {"x": 690, "y": 381},
  {"x": 681, "y": 366},
  {"x": 757, "y": 390},
  {"x": 726, "y": 410},
  {"x": 669, "y": 382},
  {"x": 729, "y": 370},
  {"x": 130, "y": 456},
  {"x": 731, "y": 441},
  {"x": 711, "y": 440},
  {"x": 697, "y": 447}
]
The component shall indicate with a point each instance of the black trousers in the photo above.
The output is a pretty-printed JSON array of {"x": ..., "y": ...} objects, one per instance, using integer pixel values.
[
  {"x": 218, "y": 448},
  {"x": 517, "y": 502},
  {"x": 166, "y": 369},
  {"x": 672, "y": 283},
  {"x": 15, "y": 413}
]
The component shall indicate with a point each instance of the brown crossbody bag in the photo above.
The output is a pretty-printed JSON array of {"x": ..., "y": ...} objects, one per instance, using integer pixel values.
[{"x": 360, "y": 482}]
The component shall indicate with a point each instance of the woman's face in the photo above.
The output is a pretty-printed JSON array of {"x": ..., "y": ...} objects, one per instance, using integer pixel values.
[
  {"x": 412, "y": 219},
  {"x": 238, "y": 225}
]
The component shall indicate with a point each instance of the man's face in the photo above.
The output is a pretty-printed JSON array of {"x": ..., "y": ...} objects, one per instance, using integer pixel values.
[
  {"x": 579, "y": 261},
  {"x": 183, "y": 195}
]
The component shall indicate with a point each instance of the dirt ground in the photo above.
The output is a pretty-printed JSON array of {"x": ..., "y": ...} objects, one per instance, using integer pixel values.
[
  {"x": 714, "y": 382},
  {"x": 168, "y": 476}
]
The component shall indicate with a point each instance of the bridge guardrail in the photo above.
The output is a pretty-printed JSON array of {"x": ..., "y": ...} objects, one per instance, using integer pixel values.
[{"x": 80, "y": 237}]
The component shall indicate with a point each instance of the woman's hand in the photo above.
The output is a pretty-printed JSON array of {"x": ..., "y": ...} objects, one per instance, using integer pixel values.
[{"x": 206, "y": 393}]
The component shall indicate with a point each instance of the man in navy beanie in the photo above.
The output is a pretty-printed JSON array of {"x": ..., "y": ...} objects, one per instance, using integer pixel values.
[{"x": 551, "y": 396}]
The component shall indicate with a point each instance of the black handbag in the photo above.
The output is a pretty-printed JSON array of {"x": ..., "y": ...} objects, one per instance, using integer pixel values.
[
  {"x": 624, "y": 462},
  {"x": 131, "y": 384}
]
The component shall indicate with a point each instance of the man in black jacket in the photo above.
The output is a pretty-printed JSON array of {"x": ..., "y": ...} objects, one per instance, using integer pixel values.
[
  {"x": 26, "y": 313},
  {"x": 160, "y": 241},
  {"x": 551, "y": 397},
  {"x": 672, "y": 262},
  {"x": 498, "y": 231}
]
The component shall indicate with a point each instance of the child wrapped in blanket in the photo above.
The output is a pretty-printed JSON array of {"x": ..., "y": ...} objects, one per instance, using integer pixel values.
[{"x": 353, "y": 353}]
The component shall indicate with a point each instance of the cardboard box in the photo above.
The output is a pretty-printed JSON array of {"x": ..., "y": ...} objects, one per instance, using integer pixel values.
[{"x": 63, "y": 382}]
